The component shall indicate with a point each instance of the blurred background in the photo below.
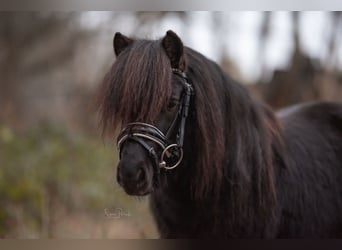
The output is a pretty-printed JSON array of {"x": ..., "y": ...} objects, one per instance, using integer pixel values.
[{"x": 57, "y": 174}]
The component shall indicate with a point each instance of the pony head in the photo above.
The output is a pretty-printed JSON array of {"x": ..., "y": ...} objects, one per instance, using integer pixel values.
[{"x": 147, "y": 93}]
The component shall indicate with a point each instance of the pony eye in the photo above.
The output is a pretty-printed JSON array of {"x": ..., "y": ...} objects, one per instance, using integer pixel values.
[{"x": 172, "y": 104}]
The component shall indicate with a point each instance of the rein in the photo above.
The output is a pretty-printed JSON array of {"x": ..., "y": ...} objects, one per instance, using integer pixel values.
[{"x": 172, "y": 152}]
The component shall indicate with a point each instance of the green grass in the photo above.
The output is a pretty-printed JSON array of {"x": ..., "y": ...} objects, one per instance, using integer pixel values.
[{"x": 47, "y": 170}]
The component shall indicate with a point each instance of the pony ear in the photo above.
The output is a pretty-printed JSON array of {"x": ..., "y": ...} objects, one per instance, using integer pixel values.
[
  {"x": 120, "y": 42},
  {"x": 174, "y": 49}
]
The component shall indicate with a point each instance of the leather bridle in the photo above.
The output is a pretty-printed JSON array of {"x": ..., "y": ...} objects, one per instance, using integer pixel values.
[{"x": 172, "y": 152}]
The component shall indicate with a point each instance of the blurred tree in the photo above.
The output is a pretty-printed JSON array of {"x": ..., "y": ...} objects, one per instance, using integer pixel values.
[
  {"x": 35, "y": 49},
  {"x": 305, "y": 79},
  {"x": 334, "y": 41},
  {"x": 263, "y": 36}
]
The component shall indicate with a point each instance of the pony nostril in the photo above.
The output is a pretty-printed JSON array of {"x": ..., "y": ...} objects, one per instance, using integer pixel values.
[
  {"x": 131, "y": 174},
  {"x": 140, "y": 175},
  {"x": 118, "y": 176}
]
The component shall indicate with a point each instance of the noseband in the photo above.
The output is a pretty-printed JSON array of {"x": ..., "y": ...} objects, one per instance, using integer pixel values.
[{"x": 172, "y": 152}]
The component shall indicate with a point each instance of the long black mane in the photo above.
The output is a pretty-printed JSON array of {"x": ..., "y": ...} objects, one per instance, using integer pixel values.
[
  {"x": 246, "y": 172},
  {"x": 242, "y": 142}
]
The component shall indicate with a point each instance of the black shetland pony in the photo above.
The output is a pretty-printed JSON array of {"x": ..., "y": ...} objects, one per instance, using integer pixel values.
[{"x": 216, "y": 162}]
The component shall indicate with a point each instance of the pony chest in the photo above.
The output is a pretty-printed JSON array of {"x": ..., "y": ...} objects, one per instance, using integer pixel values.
[{"x": 176, "y": 219}]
